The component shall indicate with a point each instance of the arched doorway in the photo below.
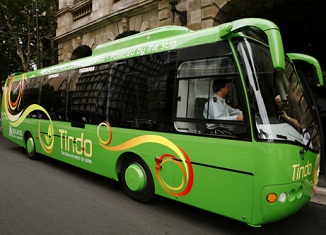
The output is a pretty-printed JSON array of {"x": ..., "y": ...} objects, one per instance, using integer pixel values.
[
  {"x": 80, "y": 52},
  {"x": 126, "y": 34}
]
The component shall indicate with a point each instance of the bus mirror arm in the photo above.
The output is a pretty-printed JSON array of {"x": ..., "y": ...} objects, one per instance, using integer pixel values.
[{"x": 313, "y": 61}]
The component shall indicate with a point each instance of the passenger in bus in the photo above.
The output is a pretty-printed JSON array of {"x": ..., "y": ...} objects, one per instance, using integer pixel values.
[
  {"x": 283, "y": 114},
  {"x": 217, "y": 108}
]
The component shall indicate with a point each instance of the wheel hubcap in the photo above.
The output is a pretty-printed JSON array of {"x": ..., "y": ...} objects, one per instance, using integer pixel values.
[
  {"x": 135, "y": 177},
  {"x": 30, "y": 145}
]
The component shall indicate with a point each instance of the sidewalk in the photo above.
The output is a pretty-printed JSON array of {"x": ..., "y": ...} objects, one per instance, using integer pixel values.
[
  {"x": 321, "y": 187},
  {"x": 320, "y": 193},
  {"x": 322, "y": 181}
]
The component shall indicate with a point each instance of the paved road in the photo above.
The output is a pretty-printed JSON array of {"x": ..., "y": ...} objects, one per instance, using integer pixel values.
[{"x": 48, "y": 197}]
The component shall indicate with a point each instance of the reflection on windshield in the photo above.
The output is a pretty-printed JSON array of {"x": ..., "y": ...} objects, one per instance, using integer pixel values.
[{"x": 276, "y": 99}]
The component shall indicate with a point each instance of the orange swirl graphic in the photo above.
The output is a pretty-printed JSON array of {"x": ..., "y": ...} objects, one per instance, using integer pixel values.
[
  {"x": 9, "y": 105},
  {"x": 184, "y": 163},
  {"x": 14, "y": 104},
  {"x": 16, "y": 120},
  {"x": 315, "y": 175}
]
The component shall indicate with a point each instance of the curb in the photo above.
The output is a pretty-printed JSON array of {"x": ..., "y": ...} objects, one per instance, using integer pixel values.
[{"x": 320, "y": 191}]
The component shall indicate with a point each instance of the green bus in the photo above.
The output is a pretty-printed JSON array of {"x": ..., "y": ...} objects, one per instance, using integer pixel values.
[{"x": 134, "y": 111}]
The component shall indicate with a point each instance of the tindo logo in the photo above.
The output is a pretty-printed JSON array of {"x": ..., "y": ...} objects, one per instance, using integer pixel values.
[
  {"x": 300, "y": 172},
  {"x": 78, "y": 145}
]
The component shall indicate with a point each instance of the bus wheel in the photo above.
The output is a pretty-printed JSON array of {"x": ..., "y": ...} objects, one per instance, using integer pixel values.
[
  {"x": 30, "y": 147},
  {"x": 137, "y": 180}
]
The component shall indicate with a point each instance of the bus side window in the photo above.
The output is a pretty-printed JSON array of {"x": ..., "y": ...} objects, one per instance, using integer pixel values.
[
  {"x": 195, "y": 99},
  {"x": 31, "y": 95},
  {"x": 192, "y": 96},
  {"x": 195, "y": 94},
  {"x": 141, "y": 91},
  {"x": 53, "y": 95}
]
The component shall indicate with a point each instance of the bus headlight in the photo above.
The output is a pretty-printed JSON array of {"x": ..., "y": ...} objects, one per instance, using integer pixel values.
[{"x": 282, "y": 197}]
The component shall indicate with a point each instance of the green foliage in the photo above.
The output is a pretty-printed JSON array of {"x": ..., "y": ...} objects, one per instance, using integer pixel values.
[{"x": 18, "y": 50}]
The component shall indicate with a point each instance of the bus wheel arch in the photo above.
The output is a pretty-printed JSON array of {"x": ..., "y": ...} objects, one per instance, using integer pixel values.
[
  {"x": 30, "y": 146},
  {"x": 136, "y": 178}
]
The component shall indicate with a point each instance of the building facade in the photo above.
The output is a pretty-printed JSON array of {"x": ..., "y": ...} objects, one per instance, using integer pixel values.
[{"x": 84, "y": 24}]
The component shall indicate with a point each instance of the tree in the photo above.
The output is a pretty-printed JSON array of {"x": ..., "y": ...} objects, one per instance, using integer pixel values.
[{"x": 18, "y": 49}]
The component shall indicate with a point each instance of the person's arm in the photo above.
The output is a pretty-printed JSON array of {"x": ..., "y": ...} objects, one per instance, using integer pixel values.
[
  {"x": 215, "y": 111},
  {"x": 292, "y": 121},
  {"x": 235, "y": 113}
]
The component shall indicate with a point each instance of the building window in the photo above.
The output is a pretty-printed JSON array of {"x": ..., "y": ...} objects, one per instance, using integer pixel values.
[
  {"x": 81, "y": 9},
  {"x": 78, "y": 1}
]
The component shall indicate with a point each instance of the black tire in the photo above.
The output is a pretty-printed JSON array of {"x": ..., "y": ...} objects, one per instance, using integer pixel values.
[
  {"x": 30, "y": 147},
  {"x": 136, "y": 179}
]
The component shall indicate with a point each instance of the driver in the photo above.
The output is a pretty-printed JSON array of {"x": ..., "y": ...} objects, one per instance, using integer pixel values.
[{"x": 217, "y": 108}]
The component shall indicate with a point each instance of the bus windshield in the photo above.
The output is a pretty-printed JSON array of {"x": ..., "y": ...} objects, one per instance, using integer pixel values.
[{"x": 277, "y": 103}]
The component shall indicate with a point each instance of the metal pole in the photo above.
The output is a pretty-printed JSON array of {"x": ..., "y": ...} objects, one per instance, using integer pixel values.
[{"x": 37, "y": 36}]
